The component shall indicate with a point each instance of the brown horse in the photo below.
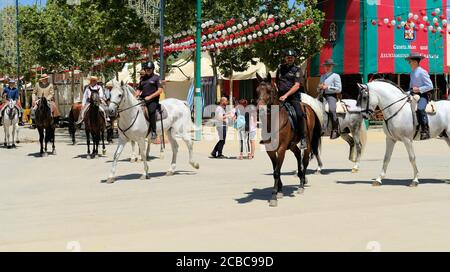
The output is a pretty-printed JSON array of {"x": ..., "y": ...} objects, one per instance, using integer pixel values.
[
  {"x": 73, "y": 118},
  {"x": 95, "y": 125},
  {"x": 281, "y": 136},
  {"x": 45, "y": 125}
]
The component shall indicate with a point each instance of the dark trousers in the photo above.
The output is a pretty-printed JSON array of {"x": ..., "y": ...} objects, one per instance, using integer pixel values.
[
  {"x": 152, "y": 107},
  {"x": 295, "y": 102},
  {"x": 422, "y": 105},
  {"x": 218, "y": 149}
]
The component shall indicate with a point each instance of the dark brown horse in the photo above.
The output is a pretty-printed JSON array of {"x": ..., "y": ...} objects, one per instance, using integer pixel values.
[
  {"x": 95, "y": 125},
  {"x": 73, "y": 118},
  {"x": 74, "y": 114},
  {"x": 45, "y": 126},
  {"x": 280, "y": 136}
]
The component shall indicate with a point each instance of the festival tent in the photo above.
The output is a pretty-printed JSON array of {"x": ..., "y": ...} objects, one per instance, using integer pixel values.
[{"x": 387, "y": 46}]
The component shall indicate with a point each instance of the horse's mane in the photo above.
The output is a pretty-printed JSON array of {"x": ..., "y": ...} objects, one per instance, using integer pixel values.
[{"x": 390, "y": 82}]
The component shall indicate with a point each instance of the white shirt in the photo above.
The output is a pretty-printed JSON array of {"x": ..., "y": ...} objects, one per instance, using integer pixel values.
[
  {"x": 220, "y": 112},
  {"x": 87, "y": 93}
]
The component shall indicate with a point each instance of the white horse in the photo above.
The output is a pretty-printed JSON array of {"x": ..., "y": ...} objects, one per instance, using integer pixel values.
[
  {"x": 352, "y": 130},
  {"x": 133, "y": 126},
  {"x": 11, "y": 119},
  {"x": 399, "y": 124}
]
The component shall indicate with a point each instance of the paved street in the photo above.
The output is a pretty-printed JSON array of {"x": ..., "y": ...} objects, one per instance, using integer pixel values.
[{"x": 59, "y": 203}]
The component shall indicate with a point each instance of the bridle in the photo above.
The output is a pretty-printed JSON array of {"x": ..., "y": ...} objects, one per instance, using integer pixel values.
[
  {"x": 11, "y": 110},
  {"x": 369, "y": 111},
  {"x": 125, "y": 92}
]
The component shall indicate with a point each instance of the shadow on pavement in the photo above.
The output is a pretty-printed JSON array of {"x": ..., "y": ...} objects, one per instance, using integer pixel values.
[
  {"x": 265, "y": 194},
  {"x": 137, "y": 177},
  {"x": 396, "y": 182}
]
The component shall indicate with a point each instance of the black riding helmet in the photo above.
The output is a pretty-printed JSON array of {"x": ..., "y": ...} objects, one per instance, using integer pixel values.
[
  {"x": 290, "y": 52},
  {"x": 148, "y": 65}
]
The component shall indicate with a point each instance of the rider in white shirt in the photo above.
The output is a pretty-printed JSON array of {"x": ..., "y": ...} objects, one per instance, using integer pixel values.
[{"x": 92, "y": 87}]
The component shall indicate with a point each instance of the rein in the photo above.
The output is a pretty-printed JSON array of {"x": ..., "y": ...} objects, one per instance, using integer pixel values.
[{"x": 407, "y": 99}]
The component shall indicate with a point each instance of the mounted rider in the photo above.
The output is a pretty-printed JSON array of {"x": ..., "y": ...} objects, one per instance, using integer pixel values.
[
  {"x": 330, "y": 86},
  {"x": 149, "y": 90},
  {"x": 421, "y": 85},
  {"x": 88, "y": 90},
  {"x": 10, "y": 92},
  {"x": 289, "y": 79},
  {"x": 47, "y": 90}
]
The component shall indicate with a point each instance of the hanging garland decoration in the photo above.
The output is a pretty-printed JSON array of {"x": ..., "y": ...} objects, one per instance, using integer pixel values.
[
  {"x": 436, "y": 24},
  {"x": 241, "y": 34}
]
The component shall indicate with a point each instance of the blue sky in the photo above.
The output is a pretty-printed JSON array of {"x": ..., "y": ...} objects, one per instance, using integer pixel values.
[{"x": 21, "y": 2}]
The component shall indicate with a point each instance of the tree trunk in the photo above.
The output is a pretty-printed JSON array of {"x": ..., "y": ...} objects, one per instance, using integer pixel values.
[{"x": 72, "y": 82}]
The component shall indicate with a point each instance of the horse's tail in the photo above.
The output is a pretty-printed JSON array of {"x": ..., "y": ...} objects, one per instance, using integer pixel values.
[
  {"x": 316, "y": 141},
  {"x": 363, "y": 136}
]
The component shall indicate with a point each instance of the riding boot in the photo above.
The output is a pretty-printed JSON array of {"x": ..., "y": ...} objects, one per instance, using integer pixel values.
[
  {"x": 425, "y": 132},
  {"x": 335, "y": 130}
]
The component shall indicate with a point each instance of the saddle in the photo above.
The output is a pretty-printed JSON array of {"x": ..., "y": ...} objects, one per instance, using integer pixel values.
[
  {"x": 430, "y": 109},
  {"x": 292, "y": 115},
  {"x": 161, "y": 113},
  {"x": 341, "y": 107}
]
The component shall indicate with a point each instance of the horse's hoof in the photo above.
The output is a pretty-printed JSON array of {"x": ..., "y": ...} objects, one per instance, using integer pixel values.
[
  {"x": 88, "y": 156},
  {"x": 14, "y": 146},
  {"x": 170, "y": 173},
  {"x": 18, "y": 142},
  {"x": 161, "y": 156},
  {"x": 45, "y": 154},
  {"x": 54, "y": 152},
  {"x": 145, "y": 176},
  {"x": 318, "y": 172},
  {"x": 355, "y": 170},
  {"x": 104, "y": 152},
  {"x": 73, "y": 143},
  {"x": 9, "y": 147},
  {"x": 280, "y": 195},
  {"x": 110, "y": 180},
  {"x": 301, "y": 191},
  {"x": 196, "y": 165},
  {"x": 376, "y": 183},
  {"x": 306, "y": 180},
  {"x": 5, "y": 145},
  {"x": 414, "y": 184},
  {"x": 273, "y": 203},
  {"x": 133, "y": 160}
]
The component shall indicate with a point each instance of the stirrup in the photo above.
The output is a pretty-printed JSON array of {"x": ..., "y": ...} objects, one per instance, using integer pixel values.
[{"x": 334, "y": 134}]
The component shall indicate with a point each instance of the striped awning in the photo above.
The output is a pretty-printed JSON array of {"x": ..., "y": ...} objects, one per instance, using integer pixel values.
[{"x": 386, "y": 47}]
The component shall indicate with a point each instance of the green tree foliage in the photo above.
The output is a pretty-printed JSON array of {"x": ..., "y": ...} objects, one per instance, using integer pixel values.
[{"x": 307, "y": 42}]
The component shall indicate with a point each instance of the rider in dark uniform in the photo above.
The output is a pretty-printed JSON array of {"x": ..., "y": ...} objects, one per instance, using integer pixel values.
[
  {"x": 288, "y": 81},
  {"x": 150, "y": 90}
]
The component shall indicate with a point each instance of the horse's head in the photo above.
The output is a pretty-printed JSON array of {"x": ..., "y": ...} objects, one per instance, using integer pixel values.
[
  {"x": 42, "y": 103},
  {"x": 267, "y": 94},
  {"x": 118, "y": 92},
  {"x": 10, "y": 110},
  {"x": 94, "y": 99},
  {"x": 366, "y": 101}
]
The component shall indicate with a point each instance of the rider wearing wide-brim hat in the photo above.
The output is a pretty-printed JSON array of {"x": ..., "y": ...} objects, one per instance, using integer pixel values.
[
  {"x": 149, "y": 90},
  {"x": 11, "y": 92},
  {"x": 421, "y": 85},
  {"x": 93, "y": 86},
  {"x": 45, "y": 89},
  {"x": 330, "y": 86},
  {"x": 289, "y": 79}
]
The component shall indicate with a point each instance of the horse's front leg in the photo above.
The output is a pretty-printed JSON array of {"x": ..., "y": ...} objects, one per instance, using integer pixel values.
[
  {"x": 119, "y": 150},
  {"x": 13, "y": 136},
  {"x": 53, "y": 131},
  {"x": 88, "y": 142},
  {"x": 412, "y": 159},
  {"x": 133, "y": 152},
  {"x": 103, "y": 143},
  {"x": 141, "y": 144},
  {"x": 358, "y": 147},
  {"x": 6, "y": 135},
  {"x": 390, "y": 144}
]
